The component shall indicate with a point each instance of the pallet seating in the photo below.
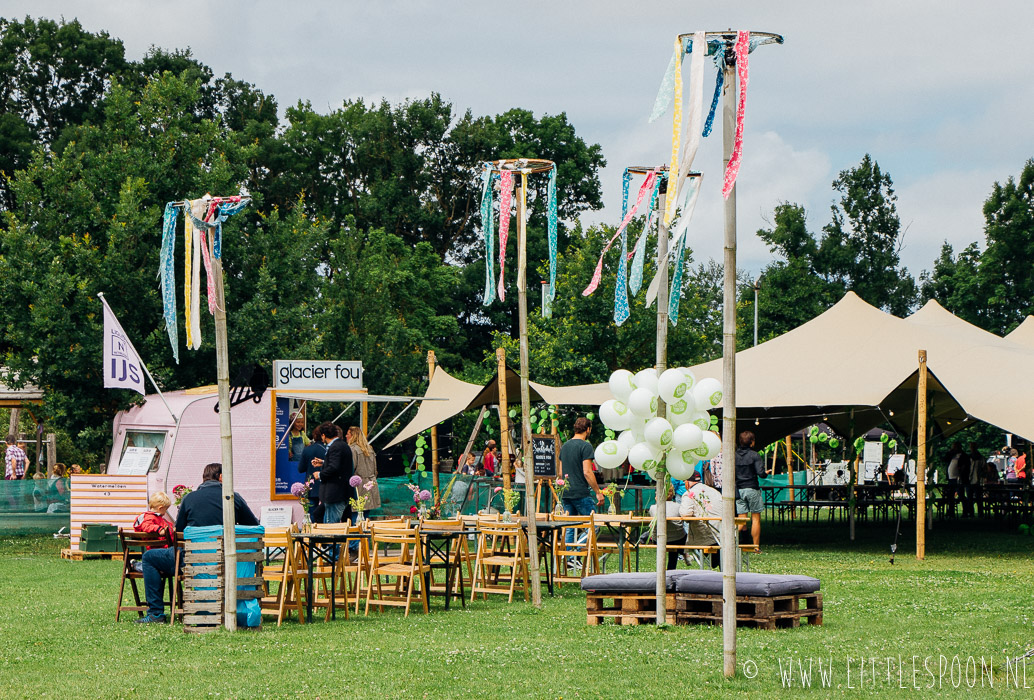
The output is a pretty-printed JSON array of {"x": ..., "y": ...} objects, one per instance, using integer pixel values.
[
  {"x": 633, "y": 597},
  {"x": 765, "y": 601}
]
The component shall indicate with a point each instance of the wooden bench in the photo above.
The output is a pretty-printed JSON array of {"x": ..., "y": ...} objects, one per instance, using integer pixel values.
[
  {"x": 768, "y": 601},
  {"x": 632, "y": 597}
]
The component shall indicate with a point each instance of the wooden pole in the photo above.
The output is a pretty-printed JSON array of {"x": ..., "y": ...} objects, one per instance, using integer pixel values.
[
  {"x": 729, "y": 534},
  {"x": 921, "y": 462},
  {"x": 789, "y": 464},
  {"x": 660, "y": 496},
  {"x": 364, "y": 418},
  {"x": 504, "y": 419},
  {"x": 530, "y": 503},
  {"x": 222, "y": 362},
  {"x": 434, "y": 428}
]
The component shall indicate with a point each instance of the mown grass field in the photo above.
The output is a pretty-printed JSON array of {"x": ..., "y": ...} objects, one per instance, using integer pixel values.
[{"x": 972, "y": 597}]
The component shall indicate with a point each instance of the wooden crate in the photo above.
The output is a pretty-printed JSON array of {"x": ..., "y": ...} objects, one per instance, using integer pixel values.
[
  {"x": 204, "y": 583},
  {"x": 751, "y": 611},
  {"x": 627, "y": 608},
  {"x": 78, "y": 555}
]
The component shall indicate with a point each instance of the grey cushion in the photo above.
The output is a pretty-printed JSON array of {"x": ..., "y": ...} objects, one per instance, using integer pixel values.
[
  {"x": 765, "y": 585},
  {"x": 630, "y": 582}
]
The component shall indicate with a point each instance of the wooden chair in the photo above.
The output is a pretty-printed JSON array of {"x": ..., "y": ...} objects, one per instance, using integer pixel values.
[
  {"x": 459, "y": 557},
  {"x": 134, "y": 544},
  {"x": 583, "y": 548},
  {"x": 285, "y": 598},
  {"x": 298, "y": 573},
  {"x": 349, "y": 575},
  {"x": 500, "y": 545},
  {"x": 407, "y": 567}
]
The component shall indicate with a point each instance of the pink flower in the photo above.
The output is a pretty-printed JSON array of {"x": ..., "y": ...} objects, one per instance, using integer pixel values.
[
  {"x": 355, "y": 481},
  {"x": 368, "y": 485},
  {"x": 560, "y": 482},
  {"x": 412, "y": 509},
  {"x": 424, "y": 495},
  {"x": 497, "y": 489}
]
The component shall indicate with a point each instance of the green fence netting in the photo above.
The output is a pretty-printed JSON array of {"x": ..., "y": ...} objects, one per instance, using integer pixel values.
[{"x": 33, "y": 506}]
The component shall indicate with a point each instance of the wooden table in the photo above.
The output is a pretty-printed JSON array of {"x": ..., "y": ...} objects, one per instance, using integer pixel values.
[{"x": 328, "y": 545}]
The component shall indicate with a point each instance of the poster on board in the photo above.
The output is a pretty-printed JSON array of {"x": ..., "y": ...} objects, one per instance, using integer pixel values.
[{"x": 285, "y": 462}]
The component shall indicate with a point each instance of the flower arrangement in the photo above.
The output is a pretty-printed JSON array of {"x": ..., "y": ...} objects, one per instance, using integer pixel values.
[
  {"x": 180, "y": 491},
  {"x": 301, "y": 491},
  {"x": 700, "y": 502},
  {"x": 359, "y": 502},
  {"x": 560, "y": 486},
  {"x": 612, "y": 493},
  {"x": 510, "y": 498}
]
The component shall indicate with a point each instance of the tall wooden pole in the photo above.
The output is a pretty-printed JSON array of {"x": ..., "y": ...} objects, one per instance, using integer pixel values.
[
  {"x": 921, "y": 462},
  {"x": 729, "y": 538},
  {"x": 504, "y": 419},
  {"x": 789, "y": 464},
  {"x": 222, "y": 363},
  {"x": 364, "y": 418},
  {"x": 530, "y": 505},
  {"x": 434, "y": 428},
  {"x": 660, "y": 496}
]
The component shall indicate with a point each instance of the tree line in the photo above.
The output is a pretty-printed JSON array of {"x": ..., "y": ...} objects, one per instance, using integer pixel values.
[{"x": 363, "y": 237}]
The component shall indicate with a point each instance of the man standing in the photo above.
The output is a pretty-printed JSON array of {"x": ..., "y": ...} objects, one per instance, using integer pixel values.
[
  {"x": 15, "y": 459},
  {"x": 311, "y": 461},
  {"x": 200, "y": 508},
  {"x": 749, "y": 466},
  {"x": 337, "y": 470},
  {"x": 583, "y": 494}
]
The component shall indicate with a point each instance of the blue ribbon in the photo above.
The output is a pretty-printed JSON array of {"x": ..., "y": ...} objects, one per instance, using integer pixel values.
[
  {"x": 621, "y": 311},
  {"x": 676, "y": 284},
  {"x": 225, "y": 211},
  {"x": 488, "y": 234},
  {"x": 626, "y": 180},
  {"x": 719, "y": 60},
  {"x": 665, "y": 92},
  {"x": 166, "y": 275},
  {"x": 551, "y": 231},
  {"x": 635, "y": 281}
]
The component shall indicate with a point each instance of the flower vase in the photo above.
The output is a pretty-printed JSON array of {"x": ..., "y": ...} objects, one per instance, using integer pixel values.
[
  {"x": 612, "y": 509},
  {"x": 507, "y": 517},
  {"x": 360, "y": 516},
  {"x": 423, "y": 512},
  {"x": 558, "y": 509},
  {"x": 306, "y": 522}
]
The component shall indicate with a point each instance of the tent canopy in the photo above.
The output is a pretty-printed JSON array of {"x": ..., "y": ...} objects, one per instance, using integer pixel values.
[{"x": 458, "y": 396}]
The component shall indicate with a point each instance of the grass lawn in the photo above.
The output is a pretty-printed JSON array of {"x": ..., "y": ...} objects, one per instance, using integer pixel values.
[{"x": 971, "y": 597}]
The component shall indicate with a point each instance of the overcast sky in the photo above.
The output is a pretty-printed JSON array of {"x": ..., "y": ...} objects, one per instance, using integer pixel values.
[{"x": 940, "y": 93}]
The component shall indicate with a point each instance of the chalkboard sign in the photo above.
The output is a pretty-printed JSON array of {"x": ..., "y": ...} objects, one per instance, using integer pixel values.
[{"x": 544, "y": 449}]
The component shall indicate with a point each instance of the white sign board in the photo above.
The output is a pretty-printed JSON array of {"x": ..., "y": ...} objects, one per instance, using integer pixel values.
[
  {"x": 276, "y": 516},
  {"x": 315, "y": 375},
  {"x": 894, "y": 463},
  {"x": 136, "y": 461},
  {"x": 870, "y": 471},
  {"x": 873, "y": 452}
]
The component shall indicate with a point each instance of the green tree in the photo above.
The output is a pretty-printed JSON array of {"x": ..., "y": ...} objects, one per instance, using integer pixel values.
[
  {"x": 955, "y": 283},
  {"x": 860, "y": 247},
  {"x": 1007, "y": 284}
]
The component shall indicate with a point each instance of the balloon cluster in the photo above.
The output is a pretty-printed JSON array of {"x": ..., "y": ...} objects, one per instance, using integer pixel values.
[{"x": 651, "y": 443}]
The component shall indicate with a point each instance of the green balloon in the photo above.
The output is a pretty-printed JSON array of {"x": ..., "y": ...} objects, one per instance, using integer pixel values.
[
  {"x": 813, "y": 430},
  {"x": 590, "y": 415},
  {"x": 714, "y": 420},
  {"x": 833, "y": 442},
  {"x": 419, "y": 451},
  {"x": 884, "y": 437},
  {"x": 823, "y": 437},
  {"x": 552, "y": 409},
  {"x": 893, "y": 444},
  {"x": 814, "y": 438},
  {"x": 543, "y": 413},
  {"x": 513, "y": 412},
  {"x": 609, "y": 434},
  {"x": 420, "y": 459}
]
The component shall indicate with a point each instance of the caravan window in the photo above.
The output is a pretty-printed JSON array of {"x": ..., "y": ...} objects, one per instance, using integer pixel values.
[{"x": 145, "y": 439}]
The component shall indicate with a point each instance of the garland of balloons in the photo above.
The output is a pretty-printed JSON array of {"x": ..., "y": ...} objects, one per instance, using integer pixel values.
[{"x": 653, "y": 444}]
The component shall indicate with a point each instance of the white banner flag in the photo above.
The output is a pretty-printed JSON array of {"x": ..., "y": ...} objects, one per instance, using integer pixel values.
[{"x": 122, "y": 366}]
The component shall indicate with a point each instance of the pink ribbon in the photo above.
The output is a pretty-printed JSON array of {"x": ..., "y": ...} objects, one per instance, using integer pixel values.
[
  {"x": 742, "y": 49},
  {"x": 506, "y": 184},
  {"x": 597, "y": 275},
  {"x": 210, "y": 288}
]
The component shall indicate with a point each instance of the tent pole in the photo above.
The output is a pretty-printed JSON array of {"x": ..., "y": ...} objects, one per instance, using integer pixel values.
[
  {"x": 661, "y": 495},
  {"x": 921, "y": 463},
  {"x": 526, "y": 456},
  {"x": 473, "y": 435},
  {"x": 789, "y": 464},
  {"x": 729, "y": 533},
  {"x": 504, "y": 419},
  {"x": 434, "y": 428}
]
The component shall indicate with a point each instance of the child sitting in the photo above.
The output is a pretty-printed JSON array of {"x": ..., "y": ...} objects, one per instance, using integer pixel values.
[{"x": 156, "y": 520}]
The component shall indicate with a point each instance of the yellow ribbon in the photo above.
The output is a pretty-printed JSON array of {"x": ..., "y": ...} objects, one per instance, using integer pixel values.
[
  {"x": 670, "y": 203},
  {"x": 188, "y": 237}
]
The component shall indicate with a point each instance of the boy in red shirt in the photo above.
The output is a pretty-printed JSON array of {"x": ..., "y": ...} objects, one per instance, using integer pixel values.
[{"x": 157, "y": 520}]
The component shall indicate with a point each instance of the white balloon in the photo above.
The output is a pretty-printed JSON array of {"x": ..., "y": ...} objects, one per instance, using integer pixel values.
[
  {"x": 621, "y": 384},
  {"x": 702, "y": 420},
  {"x": 691, "y": 379},
  {"x": 658, "y": 434},
  {"x": 678, "y": 468},
  {"x": 646, "y": 379},
  {"x": 671, "y": 385},
  {"x": 708, "y": 394},
  {"x": 643, "y": 457},
  {"x": 681, "y": 410},
  {"x": 643, "y": 403},
  {"x": 687, "y": 437},
  {"x": 638, "y": 429},
  {"x": 615, "y": 415},
  {"x": 610, "y": 454},
  {"x": 713, "y": 443},
  {"x": 627, "y": 439}
]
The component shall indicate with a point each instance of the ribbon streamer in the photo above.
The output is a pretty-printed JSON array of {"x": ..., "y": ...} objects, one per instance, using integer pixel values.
[
  {"x": 635, "y": 281},
  {"x": 626, "y": 180},
  {"x": 676, "y": 284},
  {"x": 488, "y": 235},
  {"x": 551, "y": 216},
  {"x": 719, "y": 61},
  {"x": 209, "y": 278},
  {"x": 597, "y": 275},
  {"x": 691, "y": 142},
  {"x": 660, "y": 104},
  {"x": 166, "y": 275},
  {"x": 621, "y": 310},
  {"x": 741, "y": 50},
  {"x": 676, "y": 132},
  {"x": 188, "y": 276},
  {"x": 505, "y": 199},
  {"x": 688, "y": 207},
  {"x": 194, "y": 300}
]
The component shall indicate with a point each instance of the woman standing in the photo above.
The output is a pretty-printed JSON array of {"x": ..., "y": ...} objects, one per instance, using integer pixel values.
[
  {"x": 297, "y": 441},
  {"x": 365, "y": 461}
]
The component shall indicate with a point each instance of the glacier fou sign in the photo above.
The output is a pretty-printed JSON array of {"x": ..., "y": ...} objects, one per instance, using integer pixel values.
[{"x": 324, "y": 375}]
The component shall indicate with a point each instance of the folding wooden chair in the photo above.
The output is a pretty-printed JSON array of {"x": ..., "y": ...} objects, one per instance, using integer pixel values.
[
  {"x": 459, "y": 557},
  {"x": 277, "y": 573},
  {"x": 407, "y": 566},
  {"x": 349, "y": 575},
  {"x": 583, "y": 548},
  {"x": 134, "y": 544},
  {"x": 500, "y": 545}
]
